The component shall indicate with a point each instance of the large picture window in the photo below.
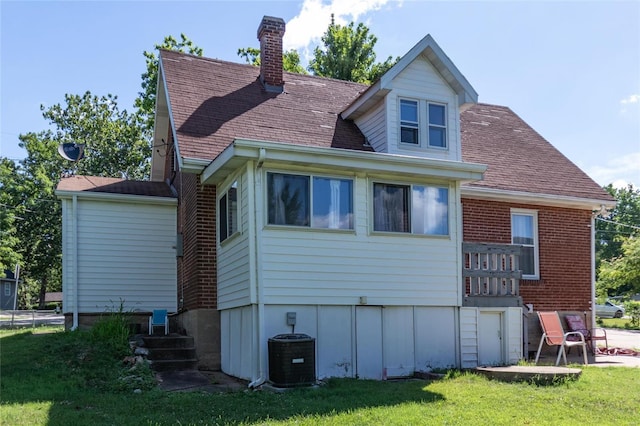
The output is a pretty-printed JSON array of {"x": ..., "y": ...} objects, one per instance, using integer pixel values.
[
  {"x": 524, "y": 232},
  {"x": 318, "y": 202},
  {"x": 416, "y": 209},
  {"x": 228, "y": 212}
]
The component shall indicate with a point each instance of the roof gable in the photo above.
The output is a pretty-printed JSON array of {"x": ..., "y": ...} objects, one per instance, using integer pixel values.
[{"x": 430, "y": 50}]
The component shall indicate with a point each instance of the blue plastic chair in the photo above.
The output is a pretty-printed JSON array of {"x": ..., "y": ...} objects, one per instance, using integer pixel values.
[{"x": 157, "y": 319}]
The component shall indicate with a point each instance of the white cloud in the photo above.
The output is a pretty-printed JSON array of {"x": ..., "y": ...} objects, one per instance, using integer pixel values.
[
  {"x": 619, "y": 171},
  {"x": 632, "y": 99},
  {"x": 315, "y": 15}
]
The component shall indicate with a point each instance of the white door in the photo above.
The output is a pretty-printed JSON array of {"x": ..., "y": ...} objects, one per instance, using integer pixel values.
[
  {"x": 490, "y": 339},
  {"x": 369, "y": 342}
]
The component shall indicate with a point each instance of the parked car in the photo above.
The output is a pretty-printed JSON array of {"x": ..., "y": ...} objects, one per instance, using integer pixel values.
[{"x": 609, "y": 310}]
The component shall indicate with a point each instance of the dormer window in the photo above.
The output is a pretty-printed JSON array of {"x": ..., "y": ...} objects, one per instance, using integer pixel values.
[
  {"x": 409, "y": 125},
  {"x": 414, "y": 112},
  {"x": 437, "y": 126}
]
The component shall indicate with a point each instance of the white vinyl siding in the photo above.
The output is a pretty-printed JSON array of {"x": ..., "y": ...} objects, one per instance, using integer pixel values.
[
  {"x": 373, "y": 126},
  {"x": 421, "y": 81},
  {"x": 132, "y": 261},
  {"x": 233, "y": 256},
  {"x": 315, "y": 266}
]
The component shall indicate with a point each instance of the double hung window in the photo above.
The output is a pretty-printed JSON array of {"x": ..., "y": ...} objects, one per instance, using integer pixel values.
[
  {"x": 413, "y": 113},
  {"x": 416, "y": 209},
  {"x": 309, "y": 201},
  {"x": 524, "y": 232},
  {"x": 409, "y": 124},
  {"x": 228, "y": 212}
]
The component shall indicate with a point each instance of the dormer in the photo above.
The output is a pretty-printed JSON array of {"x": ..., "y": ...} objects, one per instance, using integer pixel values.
[{"x": 414, "y": 108}]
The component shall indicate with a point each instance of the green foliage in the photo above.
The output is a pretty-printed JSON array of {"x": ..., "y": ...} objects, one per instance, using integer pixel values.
[
  {"x": 619, "y": 224},
  {"x": 146, "y": 100},
  {"x": 112, "y": 331},
  {"x": 621, "y": 275},
  {"x": 347, "y": 54},
  {"x": 9, "y": 254},
  {"x": 290, "y": 59},
  {"x": 632, "y": 309}
]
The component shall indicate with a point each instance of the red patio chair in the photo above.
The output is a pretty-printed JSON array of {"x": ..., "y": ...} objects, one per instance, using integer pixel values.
[
  {"x": 576, "y": 323},
  {"x": 553, "y": 335}
]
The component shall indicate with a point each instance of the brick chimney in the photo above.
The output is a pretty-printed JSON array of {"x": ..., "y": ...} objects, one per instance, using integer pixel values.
[{"x": 270, "y": 33}]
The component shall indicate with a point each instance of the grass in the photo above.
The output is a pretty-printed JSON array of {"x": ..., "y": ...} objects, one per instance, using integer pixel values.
[
  {"x": 51, "y": 377},
  {"x": 622, "y": 323}
]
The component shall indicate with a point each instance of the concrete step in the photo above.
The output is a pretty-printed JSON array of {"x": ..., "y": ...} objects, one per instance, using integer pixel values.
[
  {"x": 169, "y": 341},
  {"x": 167, "y": 354},
  {"x": 173, "y": 364}
]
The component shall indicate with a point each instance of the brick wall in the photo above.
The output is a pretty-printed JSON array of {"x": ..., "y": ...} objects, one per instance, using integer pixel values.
[
  {"x": 197, "y": 268},
  {"x": 564, "y": 237}
]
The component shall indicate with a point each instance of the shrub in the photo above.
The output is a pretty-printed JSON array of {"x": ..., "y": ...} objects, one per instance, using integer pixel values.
[{"x": 112, "y": 330}]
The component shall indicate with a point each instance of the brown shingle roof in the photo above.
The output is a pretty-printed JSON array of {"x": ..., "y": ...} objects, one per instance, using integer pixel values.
[
  {"x": 114, "y": 186},
  {"x": 518, "y": 158},
  {"x": 214, "y": 102}
]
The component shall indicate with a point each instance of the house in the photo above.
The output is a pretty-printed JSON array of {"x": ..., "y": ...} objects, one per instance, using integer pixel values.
[
  {"x": 8, "y": 289},
  {"x": 374, "y": 219}
]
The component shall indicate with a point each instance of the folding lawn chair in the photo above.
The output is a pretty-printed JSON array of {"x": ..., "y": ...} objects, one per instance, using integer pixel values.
[
  {"x": 159, "y": 318},
  {"x": 553, "y": 335}
]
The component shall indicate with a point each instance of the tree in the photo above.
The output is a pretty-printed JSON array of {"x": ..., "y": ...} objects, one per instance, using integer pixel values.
[
  {"x": 146, "y": 100},
  {"x": 9, "y": 255},
  {"x": 621, "y": 275},
  {"x": 290, "y": 59},
  {"x": 347, "y": 54},
  {"x": 117, "y": 144},
  {"x": 623, "y": 221}
]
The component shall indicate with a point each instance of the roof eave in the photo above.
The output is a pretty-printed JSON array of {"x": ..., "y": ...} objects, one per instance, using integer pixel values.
[
  {"x": 112, "y": 196},
  {"x": 494, "y": 194},
  {"x": 275, "y": 153}
]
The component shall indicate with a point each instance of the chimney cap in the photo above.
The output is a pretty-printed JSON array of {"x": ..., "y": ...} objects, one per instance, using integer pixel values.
[{"x": 271, "y": 24}]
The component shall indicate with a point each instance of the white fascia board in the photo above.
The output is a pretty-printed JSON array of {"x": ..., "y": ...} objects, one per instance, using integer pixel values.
[
  {"x": 192, "y": 165},
  {"x": 432, "y": 51},
  {"x": 275, "y": 153},
  {"x": 520, "y": 197},
  {"x": 157, "y": 162},
  {"x": 109, "y": 196}
]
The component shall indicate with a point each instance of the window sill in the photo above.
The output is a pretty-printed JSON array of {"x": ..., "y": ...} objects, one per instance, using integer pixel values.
[{"x": 307, "y": 229}]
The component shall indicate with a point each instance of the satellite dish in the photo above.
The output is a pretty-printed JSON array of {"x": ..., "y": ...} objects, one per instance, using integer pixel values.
[{"x": 71, "y": 151}]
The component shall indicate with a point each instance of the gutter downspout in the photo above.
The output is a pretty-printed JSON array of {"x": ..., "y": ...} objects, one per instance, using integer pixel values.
[
  {"x": 257, "y": 208},
  {"x": 74, "y": 260}
]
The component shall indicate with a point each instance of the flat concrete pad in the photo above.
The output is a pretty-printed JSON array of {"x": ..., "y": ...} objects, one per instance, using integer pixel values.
[
  {"x": 195, "y": 380},
  {"x": 539, "y": 374}
]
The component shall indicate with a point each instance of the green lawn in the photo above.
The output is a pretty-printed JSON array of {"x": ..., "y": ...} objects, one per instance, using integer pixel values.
[{"x": 61, "y": 378}]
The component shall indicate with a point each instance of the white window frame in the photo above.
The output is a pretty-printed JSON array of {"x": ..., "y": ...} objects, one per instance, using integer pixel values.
[
  {"x": 312, "y": 178},
  {"x": 422, "y": 106},
  {"x": 410, "y": 124},
  {"x": 410, "y": 212},
  {"x": 229, "y": 211},
  {"x": 439, "y": 126},
  {"x": 7, "y": 289},
  {"x": 536, "y": 252}
]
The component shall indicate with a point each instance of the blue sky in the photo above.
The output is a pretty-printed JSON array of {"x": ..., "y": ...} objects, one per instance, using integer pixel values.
[{"x": 569, "y": 69}]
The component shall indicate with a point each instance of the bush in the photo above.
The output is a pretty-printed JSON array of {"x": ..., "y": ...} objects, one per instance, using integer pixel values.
[
  {"x": 632, "y": 309},
  {"x": 112, "y": 331}
]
